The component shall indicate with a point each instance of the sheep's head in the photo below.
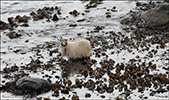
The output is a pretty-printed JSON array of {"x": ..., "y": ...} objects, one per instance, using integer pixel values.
[{"x": 63, "y": 42}]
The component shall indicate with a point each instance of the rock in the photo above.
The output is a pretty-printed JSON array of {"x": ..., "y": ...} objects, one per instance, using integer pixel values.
[
  {"x": 158, "y": 17},
  {"x": 55, "y": 18},
  {"x": 33, "y": 85}
]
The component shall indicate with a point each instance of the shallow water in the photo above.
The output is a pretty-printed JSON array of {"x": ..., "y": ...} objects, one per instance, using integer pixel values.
[{"x": 50, "y": 32}]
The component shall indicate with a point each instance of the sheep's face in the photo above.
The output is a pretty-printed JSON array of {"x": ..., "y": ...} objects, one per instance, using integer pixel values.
[{"x": 63, "y": 42}]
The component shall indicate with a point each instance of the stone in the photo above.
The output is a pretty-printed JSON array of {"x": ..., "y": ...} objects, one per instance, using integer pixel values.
[
  {"x": 55, "y": 18},
  {"x": 33, "y": 85},
  {"x": 158, "y": 17}
]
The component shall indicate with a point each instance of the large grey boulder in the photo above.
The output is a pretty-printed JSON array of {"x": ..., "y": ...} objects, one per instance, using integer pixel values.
[
  {"x": 157, "y": 17},
  {"x": 29, "y": 85}
]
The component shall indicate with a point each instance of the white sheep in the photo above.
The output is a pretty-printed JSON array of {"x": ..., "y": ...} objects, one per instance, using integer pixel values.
[{"x": 77, "y": 49}]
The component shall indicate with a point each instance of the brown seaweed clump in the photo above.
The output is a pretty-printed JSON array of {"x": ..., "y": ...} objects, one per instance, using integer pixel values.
[
  {"x": 93, "y": 3},
  {"x": 3, "y": 25},
  {"x": 13, "y": 35},
  {"x": 74, "y": 12},
  {"x": 14, "y": 22},
  {"x": 23, "y": 19},
  {"x": 46, "y": 13}
]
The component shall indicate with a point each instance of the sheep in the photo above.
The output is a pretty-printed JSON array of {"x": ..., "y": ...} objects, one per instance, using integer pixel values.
[{"x": 77, "y": 49}]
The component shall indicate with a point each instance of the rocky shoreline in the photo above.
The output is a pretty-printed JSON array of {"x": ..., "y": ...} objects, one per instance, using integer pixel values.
[{"x": 135, "y": 75}]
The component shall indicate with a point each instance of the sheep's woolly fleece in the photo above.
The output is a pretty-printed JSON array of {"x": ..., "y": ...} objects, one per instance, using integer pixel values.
[{"x": 77, "y": 49}]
